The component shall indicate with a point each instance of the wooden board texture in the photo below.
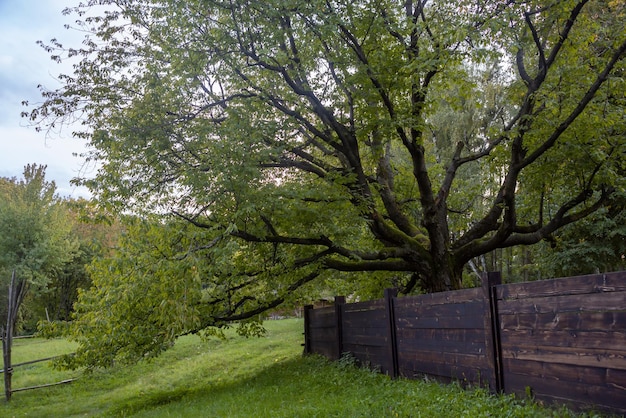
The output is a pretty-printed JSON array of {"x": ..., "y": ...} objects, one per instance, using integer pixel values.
[{"x": 563, "y": 340}]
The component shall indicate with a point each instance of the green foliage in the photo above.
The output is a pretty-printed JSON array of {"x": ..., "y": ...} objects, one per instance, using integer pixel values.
[
  {"x": 35, "y": 238},
  {"x": 139, "y": 303},
  {"x": 95, "y": 236},
  {"x": 150, "y": 291},
  {"x": 278, "y": 150},
  {"x": 597, "y": 244},
  {"x": 251, "y": 328}
]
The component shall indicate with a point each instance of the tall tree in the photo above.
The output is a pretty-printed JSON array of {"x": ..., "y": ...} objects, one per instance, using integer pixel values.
[
  {"x": 94, "y": 237},
  {"x": 306, "y": 137},
  {"x": 35, "y": 240}
]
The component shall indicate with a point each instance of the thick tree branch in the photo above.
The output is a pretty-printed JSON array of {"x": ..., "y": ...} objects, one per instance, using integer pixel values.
[
  {"x": 284, "y": 162},
  {"x": 560, "y": 219},
  {"x": 616, "y": 57},
  {"x": 263, "y": 307},
  {"x": 519, "y": 158},
  {"x": 279, "y": 239},
  {"x": 367, "y": 265},
  {"x": 542, "y": 66}
]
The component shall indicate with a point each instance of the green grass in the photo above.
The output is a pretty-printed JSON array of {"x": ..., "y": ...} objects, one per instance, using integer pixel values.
[{"x": 266, "y": 377}]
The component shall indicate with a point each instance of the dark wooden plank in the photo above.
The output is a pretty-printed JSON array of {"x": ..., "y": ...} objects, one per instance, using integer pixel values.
[
  {"x": 375, "y": 355},
  {"x": 317, "y": 327},
  {"x": 609, "y": 340},
  {"x": 471, "y": 357},
  {"x": 378, "y": 304},
  {"x": 472, "y": 335},
  {"x": 583, "y": 321},
  {"x": 322, "y": 334},
  {"x": 563, "y": 373},
  {"x": 441, "y": 298},
  {"x": 367, "y": 348},
  {"x": 461, "y": 322},
  {"x": 578, "y": 394},
  {"x": 366, "y": 331},
  {"x": 322, "y": 347},
  {"x": 438, "y": 368},
  {"x": 322, "y": 319},
  {"x": 432, "y": 356},
  {"x": 610, "y": 359},
  {"x": 447, "y": 340},
  {"x": 472, "y": 308},
  {"x": 458, "y": 360},
  {"x": 556, "y": 372},
  {"x": 366, "y": 340},
  {"x": 366, "y": 318},
  {"x": 477, "y": 348},
  {"x": 598, "y": 302},
  {"x": 329, "y": 322},
  {"x": 321, "y": 330},
  {"x": 372, "y": 328},
  {"x": 616, "y": 377},
  {"x": 412, "y": 368},
  {"x": 592, "y": 283},
  {"x": 377, "y": 348}
]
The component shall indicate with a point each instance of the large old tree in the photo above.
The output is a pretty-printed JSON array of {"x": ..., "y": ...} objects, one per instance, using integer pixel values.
[{"x": 295, "y": 138}]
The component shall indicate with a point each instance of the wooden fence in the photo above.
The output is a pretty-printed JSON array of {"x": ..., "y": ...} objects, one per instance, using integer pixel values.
[
  {"x": 16, "y": 292},
  {"x": 564, "y": 340}
]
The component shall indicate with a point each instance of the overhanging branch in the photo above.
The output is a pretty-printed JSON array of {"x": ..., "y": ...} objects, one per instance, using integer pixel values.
[
  {"x": 369, "y": 265},
  {"x": 560, "y": 220},
  {"x": 263, "y": 307}
]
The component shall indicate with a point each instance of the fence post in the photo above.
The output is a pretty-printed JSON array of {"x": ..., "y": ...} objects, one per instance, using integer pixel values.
[
  {"x": 492, "y": 329},
  {"x": 339, "y": 302},
  {"x": 307, "y": 331},
  {"x": 7, "y": 337},
  {"x": 393, "y": 343}
]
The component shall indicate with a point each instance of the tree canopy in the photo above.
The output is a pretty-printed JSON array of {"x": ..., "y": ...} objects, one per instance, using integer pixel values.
[
  {"x": 35, "y": 242},
  {"x": 295, "y": 140},
  {"x": 93, "y": 237}
]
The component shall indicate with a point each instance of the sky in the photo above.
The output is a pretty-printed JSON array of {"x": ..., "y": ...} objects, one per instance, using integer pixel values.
[{"x": 24, "y": 65}]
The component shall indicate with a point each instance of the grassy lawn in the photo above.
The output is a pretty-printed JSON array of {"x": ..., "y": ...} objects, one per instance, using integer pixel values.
[{"x": 266, "y": 377}]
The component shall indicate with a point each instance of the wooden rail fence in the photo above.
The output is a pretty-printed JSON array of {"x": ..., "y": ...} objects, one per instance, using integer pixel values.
[
  {"x": 564, "y": 340},
  {"x": 16, "y": 294}
]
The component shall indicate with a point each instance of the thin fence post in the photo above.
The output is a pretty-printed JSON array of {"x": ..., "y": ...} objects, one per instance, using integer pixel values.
[
  {"x": 339, "y": 302},
  {"x": 307, "y": 331},
  {"x": 6, "y": 365},
  {"x": 389, "y": 296},
  {"x": 7, "y": 339},
  {"x": 492, "y": 329}
]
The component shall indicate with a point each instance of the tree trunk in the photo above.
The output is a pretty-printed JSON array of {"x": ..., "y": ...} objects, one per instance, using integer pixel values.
[{"x": 443, "y": 276}]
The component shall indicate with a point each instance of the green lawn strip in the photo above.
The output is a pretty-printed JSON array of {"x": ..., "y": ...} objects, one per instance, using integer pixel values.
[
  {"x": 313, "y": 387},
  {"x": 266, "y": 377},
  {"x": 26, "y": 350}
]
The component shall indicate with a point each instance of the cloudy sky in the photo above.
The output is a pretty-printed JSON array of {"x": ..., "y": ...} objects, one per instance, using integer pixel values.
[{"x": 24, "y": 65}]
